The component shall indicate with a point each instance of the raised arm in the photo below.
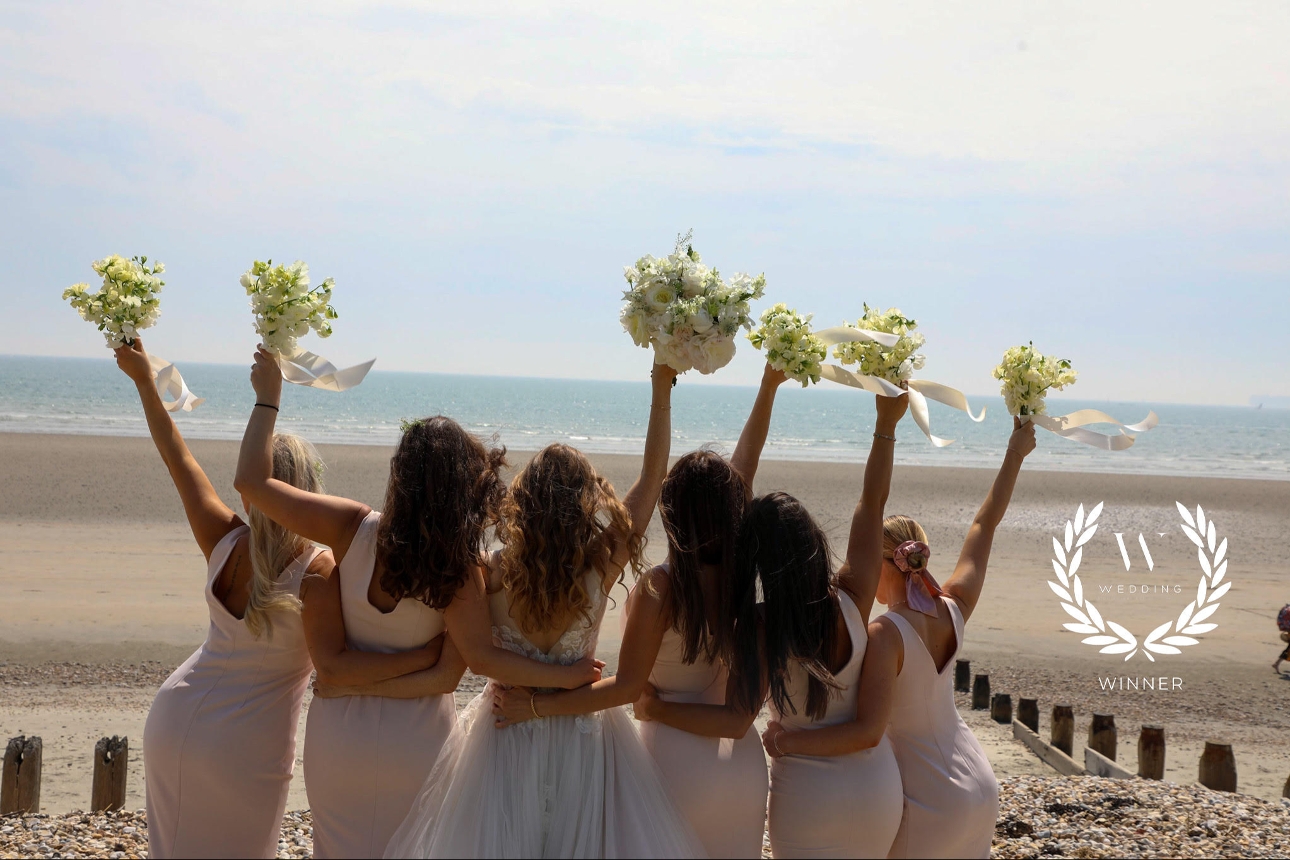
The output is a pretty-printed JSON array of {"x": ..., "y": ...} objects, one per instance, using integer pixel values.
[
  {"x": 208, "y": 516},
  {"x": 328, "y": 520},
  {"x": 440, "y": 679},
  {"x": 969, "y": 574},
  {"x": 643, "y": 495},
  {"x": 647, "y": 621},
  {"x": 471, "y": 630},
  {"x": 862, "y": 568},
  {"x": 337, "y": 665},
  {"x": 753, "y": 438},
  {"x": 873, "y": 711}
]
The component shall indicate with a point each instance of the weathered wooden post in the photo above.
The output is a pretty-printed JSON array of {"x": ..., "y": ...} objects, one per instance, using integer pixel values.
[
  {"x": 1218, "y": 767},
  {"x": 1285, "y": 792},
  {"x": 1151, "y": 752},
  {"x": 1064, "y": 728},
  {"x": 20, "y": 781},
  {"x": 1101, "y": 735},
  {"x": 1001, "y": 708},
  {"x": 981, "y": 693},
  {"x": 962, "y": 675},
  {"x": 1028, "y": 714},
  {"x": 111, "y": 758}
]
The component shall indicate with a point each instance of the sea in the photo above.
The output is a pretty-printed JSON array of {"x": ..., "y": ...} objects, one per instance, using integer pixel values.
[{"x": 822, "y": 423}]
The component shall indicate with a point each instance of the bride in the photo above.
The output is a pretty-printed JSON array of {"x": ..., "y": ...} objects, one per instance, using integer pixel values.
[{"x": 563, "y": 786}]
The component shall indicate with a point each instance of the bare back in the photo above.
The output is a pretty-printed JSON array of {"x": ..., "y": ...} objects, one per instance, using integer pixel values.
[{"x": 937, "y": 633}]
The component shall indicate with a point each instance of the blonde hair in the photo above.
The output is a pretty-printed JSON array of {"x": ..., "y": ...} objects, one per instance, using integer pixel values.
[
  {"x": 559, "y": 519},
  {"x": 273, "y": 548},
  {"x": 897, "y": 530}
]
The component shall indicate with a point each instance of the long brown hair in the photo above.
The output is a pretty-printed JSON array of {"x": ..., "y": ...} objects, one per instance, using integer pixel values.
[
  {"x": 782, "y": 548},
  {"x": 701, "y": 506},
  {"x": 560, "y": 519},
  {"x": 444, "y": 493}
]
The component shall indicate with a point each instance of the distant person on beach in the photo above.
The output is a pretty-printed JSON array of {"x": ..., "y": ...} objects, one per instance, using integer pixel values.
[
  {"x": 403, "y": 578},
  {"x": 1283, "y": 624},
  {"x": 951, "y": 794},
  {"x": 674, "y": 658},
  {"x": 219, "y": 745}
]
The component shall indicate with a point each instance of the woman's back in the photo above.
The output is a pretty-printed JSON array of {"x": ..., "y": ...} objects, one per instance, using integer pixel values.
[
  {"x": 567, "y": 641},
  {"x": 411, "y": 624},
  {"x": 842, "y": 703}
]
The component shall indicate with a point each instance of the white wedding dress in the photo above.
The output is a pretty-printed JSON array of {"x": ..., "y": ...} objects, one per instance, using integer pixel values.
[{"x": 562, "y": 786}]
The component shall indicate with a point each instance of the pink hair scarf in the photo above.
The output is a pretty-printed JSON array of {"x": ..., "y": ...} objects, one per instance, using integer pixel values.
[{"x": 921, "y": 590}]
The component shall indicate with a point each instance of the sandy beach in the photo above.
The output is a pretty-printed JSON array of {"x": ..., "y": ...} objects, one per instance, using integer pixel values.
[{"x": 101, "y": 589}]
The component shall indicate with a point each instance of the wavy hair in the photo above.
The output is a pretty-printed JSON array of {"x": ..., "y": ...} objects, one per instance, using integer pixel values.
[
  {"x": 782, "y": 549},
  {"x": 444, "y": 494},
  {"x": 702, "y": 506},
  {"x": 560, "y": 519},
  {"x": 273, "y": 548}
]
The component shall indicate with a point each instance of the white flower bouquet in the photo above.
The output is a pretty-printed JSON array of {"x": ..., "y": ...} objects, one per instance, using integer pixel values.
[
  {"x": 127, "y": 302},
  {"x": 1028, "y": 375},
  {"x": 285, "y": 307},
  {"x": 790, "y": 344},
  {"x": 685, "y": 310},
  {"x": 895, "y": 364}
]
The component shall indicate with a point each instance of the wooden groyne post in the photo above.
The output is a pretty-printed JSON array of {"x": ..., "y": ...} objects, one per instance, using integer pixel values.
[
  {"x": 20, "y": 779},
  {"x": 1102, "y": 736},
  {"x": 1218, "y": 767},
  {"x": 1151, "y": 752},
  {"x": 1028, "y": 714},
  {"x": 111, "y": 758},
  {"x": 981, "y": 693},
  {"x": 1001, "y": 708},
  {"x": 962, "y": 676},
  {"x": 1064, "y": 728}
]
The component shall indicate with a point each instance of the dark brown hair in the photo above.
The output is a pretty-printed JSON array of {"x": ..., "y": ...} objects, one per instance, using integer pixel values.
[
  {"x": 559, "y": 520},
  {"x": 781, "y": 547},
  {"x": 702, "y": 505},
  {"x": 444, "y": 494}
]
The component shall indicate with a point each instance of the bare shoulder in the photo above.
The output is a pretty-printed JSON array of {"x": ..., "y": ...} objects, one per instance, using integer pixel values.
[{"x": 323, "y": 565}]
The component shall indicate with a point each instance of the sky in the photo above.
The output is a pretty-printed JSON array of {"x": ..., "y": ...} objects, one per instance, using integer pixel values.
[{"x": 1110, "y": 180}]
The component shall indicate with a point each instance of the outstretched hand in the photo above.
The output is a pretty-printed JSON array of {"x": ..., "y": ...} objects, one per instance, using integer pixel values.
[
  {"x": 266, "y": 377},
  {"x": 663, "y": 373},
  {"x": 134, "y": 362},
  {"x": 771, "y": 376},
  {"x": 512, "y": 706},
  {"x": 1023, "y": 437},
  {"x": 891, "y": 410}
]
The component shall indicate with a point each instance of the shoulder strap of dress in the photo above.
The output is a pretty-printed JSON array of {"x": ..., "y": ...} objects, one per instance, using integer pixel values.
[
  {"x": 851, "y": 615},
  {"x": 222, "y": 551},
  {"x": 956, "y": 615}
]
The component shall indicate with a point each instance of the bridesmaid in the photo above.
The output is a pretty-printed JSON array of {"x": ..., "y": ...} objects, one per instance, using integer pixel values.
[
  {"x": 834, "y": 783},
  {"x": 676, "y": 638},
  {"x": 951, "y": 795},
  {"x": 404, "y": 577},
  {"x": 219, "y": 745}
]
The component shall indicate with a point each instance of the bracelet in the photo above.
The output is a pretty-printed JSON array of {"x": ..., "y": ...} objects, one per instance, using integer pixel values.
[
  {"x": 774, "y": 741},
  {"x": 532, "y": 706},
  {"x": 884, "y": 436},
  {"x": 267, "y": 406},
  {"x": 665, "y": 408}
]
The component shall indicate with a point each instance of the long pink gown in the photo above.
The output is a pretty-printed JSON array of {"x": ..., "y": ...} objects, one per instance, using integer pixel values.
[
  {"x": 951, "y": 794},
  {"x": 219, "y": 746},
  {"x": 719, "y": 785},
  {"x": 367, "y": 757},
  {"x": 835, "y": 806}
]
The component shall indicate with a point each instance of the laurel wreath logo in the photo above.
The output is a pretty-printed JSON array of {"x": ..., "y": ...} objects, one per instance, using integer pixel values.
[{"x": 1114, "y": 638}]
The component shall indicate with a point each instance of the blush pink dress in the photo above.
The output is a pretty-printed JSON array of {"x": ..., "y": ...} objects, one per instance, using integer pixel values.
[
  {"x": 719, "y": 785},
  {"x": 951, "y": 795},
  {"x": 835, "y": 806},
  {"x": 367, "y": 757},
  {"x": 219, "y": 745}
]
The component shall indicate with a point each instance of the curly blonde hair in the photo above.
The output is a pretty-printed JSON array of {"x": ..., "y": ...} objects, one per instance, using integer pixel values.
[{"x": 560, "y": 519}]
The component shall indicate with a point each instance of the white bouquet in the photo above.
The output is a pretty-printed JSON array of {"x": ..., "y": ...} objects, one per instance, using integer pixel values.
[
  {"x": 685, "y": 310},
  {"x": 285, "y": 307},
  {"x": 127, "y": 302},
  {"x": 1027, "y": 376},
  {"x": 790, "y": 344},
  {"x": 895, "y": 364}
]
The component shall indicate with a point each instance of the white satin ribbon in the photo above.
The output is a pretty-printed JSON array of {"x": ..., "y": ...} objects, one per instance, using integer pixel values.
[
  {"x": 1071, "y": 426},
  {"x": 170, "y": 382},
  {"x": 847, "y": 334},
  {"x": 306, "y": 368}
]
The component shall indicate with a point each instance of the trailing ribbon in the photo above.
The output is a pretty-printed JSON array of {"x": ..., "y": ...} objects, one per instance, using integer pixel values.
[
  {"x": 1072, "y": 426},
  {"x": 306, "y": 368},
  {"x": 170, "y": 382},
  {"x": 919, "y": 390}
]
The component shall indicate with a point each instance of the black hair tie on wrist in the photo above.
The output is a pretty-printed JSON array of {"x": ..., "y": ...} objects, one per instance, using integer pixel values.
[{"x": 267, "y": 406}]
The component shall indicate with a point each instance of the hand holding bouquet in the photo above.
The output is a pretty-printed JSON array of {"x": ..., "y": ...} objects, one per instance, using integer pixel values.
[
  {"x": 895, "y": 364},
  {"x": 127, "y": 302},
  {"x": 1027, "y": 376},
  {"x": 791, "y": 346},
  {"x": 684, "y": 309},
  {"x": 285, "y": 307}
]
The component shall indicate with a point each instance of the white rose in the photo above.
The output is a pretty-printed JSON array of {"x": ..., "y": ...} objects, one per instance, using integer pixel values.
[
  {"x": 718, "y": 351},
  {"x": 692, "y": 278},
  {"x": 701, "y": 322},
  {"x": 659, "y": 296}
]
